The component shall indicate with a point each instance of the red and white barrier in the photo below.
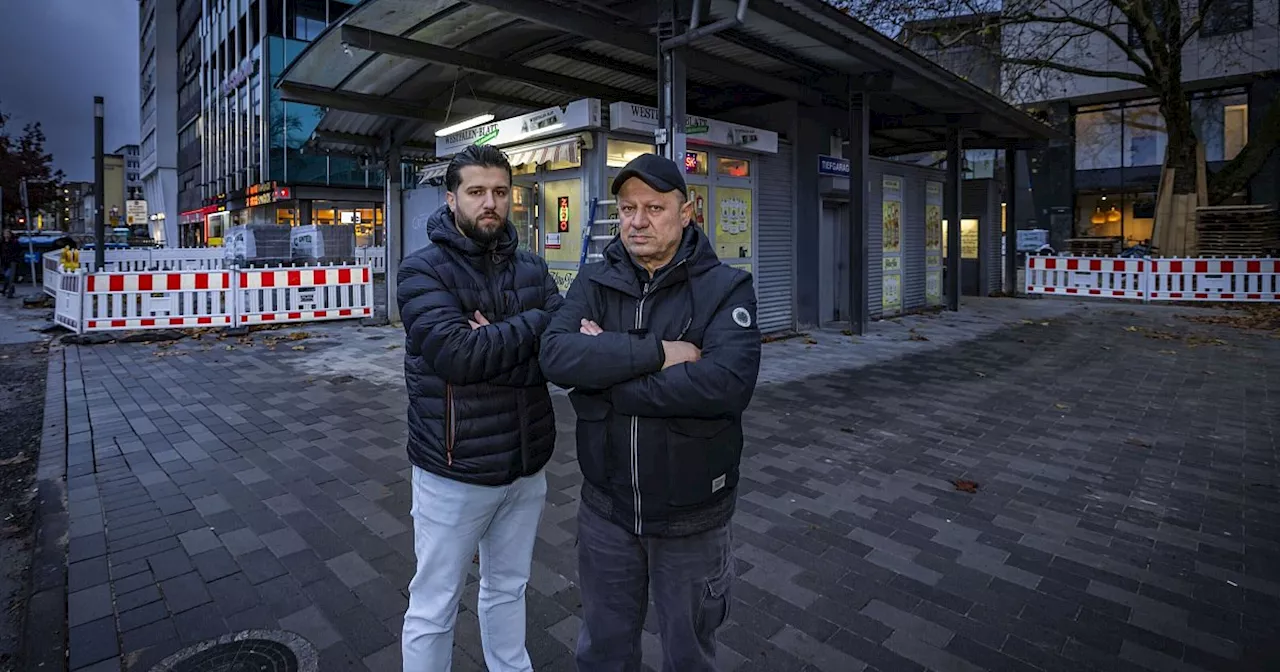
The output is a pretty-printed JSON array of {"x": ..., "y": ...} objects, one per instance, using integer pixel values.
[
  {"x": 176, "y": 299},
  {"x": 1215, "y": 280},
  {"x": 1155, "y": 279},
  {"x": 211, "y": 298},
  {"x": 303, "y": 295},
  {"x": 1089, "y": 276}
]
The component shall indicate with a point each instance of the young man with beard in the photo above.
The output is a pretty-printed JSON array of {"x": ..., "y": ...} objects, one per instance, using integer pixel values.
[
  {"x": 660, "y": 344},
  {"x": 481, "y": 426}
]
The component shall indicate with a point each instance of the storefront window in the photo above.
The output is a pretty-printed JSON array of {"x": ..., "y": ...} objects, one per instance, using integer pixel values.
[
  {"x": 621, "y": 152},
  {"x": 1222, "y": 124},
  {"x": 525, "y": 169},
  {"x": 695, "y": 163},
  {"x": 1145, "y": 136},
  {"x": 733, "y": 167},
  {"x": 1129, "y": 216},
  {"x": 286, "y": 216},
  {"x": 1098, "y": 139}
]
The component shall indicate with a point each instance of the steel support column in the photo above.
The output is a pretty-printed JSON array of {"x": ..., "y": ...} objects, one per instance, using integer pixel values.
[
  {"x": 671, "y": 91},
  {"x": 1010, "y": 221},
  {"x": 859, "y": 133},
  {"x": 951, "y": 213},
  {"x": 393, "y": 226}
]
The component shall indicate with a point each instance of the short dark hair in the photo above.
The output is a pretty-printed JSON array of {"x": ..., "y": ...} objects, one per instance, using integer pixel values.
[{"x": 485, "y": 156}]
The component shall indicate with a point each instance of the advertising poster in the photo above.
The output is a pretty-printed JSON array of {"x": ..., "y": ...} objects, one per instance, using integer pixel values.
[
  {"x": 733, "y": 223},
  {"x": 563, "y": 277},
  {"x": 933, "y": 243},
  {"x": 698, "y": 194},
  {"x": 891, "y": 225}
]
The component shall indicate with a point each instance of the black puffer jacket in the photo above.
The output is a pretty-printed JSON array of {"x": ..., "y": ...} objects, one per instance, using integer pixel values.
[
  {"x": 659, "y": 448},
  {"x": 479, "y": 410}
]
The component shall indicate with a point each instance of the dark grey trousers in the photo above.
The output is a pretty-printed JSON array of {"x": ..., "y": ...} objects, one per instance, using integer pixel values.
[{"x": 689, "y": 578}]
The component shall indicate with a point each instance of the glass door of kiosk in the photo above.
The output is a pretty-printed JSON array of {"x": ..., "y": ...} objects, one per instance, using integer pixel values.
[{"x": 524, "y": 215}]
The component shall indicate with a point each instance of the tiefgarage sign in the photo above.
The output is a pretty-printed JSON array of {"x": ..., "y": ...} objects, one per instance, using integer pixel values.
[
  {"x": 578, "y": 115},
  {"x": 698, "y": 130}
]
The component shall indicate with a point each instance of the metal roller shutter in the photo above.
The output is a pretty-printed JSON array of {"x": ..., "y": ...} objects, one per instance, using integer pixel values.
[{"x": 775, "y": 232}]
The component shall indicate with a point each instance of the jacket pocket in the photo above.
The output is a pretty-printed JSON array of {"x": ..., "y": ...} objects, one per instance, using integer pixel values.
[
  {"x": 702, "y": 457},
  {"x": 592, "y": 436},
  {"x": 713, "y": 610}
]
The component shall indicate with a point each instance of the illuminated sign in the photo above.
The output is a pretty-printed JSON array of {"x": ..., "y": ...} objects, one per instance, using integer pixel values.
[
  {"x": 562, "y": 214},
  {"x": 691, "y": 162},
  {"x": 264, "y": 193}
]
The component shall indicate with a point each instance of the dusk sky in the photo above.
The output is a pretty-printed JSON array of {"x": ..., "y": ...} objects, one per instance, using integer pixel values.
[{"x": 55, "y": 56}]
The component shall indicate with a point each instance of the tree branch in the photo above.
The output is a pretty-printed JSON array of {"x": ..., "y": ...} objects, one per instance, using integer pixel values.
[
  {"x": 1107, "y": 32},
  {"x": 1076, "y": 70}
]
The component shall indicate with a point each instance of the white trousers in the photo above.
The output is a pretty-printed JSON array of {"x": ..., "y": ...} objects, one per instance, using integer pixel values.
[{"x": 449, "y": 520}]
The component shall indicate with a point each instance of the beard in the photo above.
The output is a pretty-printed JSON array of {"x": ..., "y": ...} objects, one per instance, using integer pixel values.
[{"x": 485, "y": 234}]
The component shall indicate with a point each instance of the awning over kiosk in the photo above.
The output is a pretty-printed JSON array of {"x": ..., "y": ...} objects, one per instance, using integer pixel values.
[{"x": 558, "y": 150}]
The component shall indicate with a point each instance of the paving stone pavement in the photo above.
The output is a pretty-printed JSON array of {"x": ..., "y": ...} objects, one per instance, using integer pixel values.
[{"x": 1125, "y": 464}]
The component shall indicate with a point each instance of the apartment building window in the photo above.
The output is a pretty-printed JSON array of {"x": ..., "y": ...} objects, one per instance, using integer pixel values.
[{"x": 1223, "y": 17}]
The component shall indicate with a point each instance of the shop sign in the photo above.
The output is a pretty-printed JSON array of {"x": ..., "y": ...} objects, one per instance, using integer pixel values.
[
  {"x": 698, "y": 130},
  {"x": 578, "y": 115},
  {"x": 833, "y": 166},
  {"x": 552, "y": 242},
  {"x": 264, "y": 193},
  {"x": 562, "y": 214}
]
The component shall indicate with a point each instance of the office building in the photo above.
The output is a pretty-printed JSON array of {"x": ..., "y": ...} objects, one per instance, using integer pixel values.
[
  {"x": 253, "y": 167},
  {"x": 155, "y": 159}
]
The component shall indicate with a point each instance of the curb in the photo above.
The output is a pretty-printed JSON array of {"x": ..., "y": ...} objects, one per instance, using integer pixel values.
[{"x": 44, "y": 642}]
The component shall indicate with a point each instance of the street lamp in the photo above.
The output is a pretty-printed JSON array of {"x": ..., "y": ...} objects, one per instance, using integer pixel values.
[{"x": 99, "y": 191}]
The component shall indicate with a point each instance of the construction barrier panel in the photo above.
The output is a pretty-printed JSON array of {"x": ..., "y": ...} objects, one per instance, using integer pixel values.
[
  {"x": 113, "y": 300},
  {"x": 1089, "y": 276},
  {"x": 1229, "y": 280},
  {"x": 157, "y": 300},
  {"x": 1215, "y": 280},
  {"x": 373, "y": 257},
  {"x": 271, "y": 296},
  {"x": 68, "y": 308}
]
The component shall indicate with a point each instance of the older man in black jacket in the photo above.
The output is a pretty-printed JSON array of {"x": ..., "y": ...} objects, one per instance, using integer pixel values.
[
  {"x": 481, "y": 426},
  {"x": 660, "y": 343}
]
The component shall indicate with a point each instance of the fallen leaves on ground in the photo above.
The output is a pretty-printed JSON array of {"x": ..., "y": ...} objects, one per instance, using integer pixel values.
[
  {"x": 965, "y": 486},
  {"x": 299, "y": 347},
  {"x": 979, "y": 374},
  {"x": 1061, "y": 407},
  {"x": 1135, "y": 441},
  {"x": 810, "y": 341},
  {"x": 917, "y": 336},
  {"x": 16, "y": 459},
  {"x": 1260, "y": 316}
]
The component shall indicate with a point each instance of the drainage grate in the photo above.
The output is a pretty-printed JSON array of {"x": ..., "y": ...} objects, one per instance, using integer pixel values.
[{"x": 248, "y": 651}]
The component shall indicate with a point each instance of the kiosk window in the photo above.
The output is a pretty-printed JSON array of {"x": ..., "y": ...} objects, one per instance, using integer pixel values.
[
  {"x": 733, "y": 167},
  {"x": 621, "y": 152}
]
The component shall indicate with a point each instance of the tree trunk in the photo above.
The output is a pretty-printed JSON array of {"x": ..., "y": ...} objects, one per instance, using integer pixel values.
[{"x": 1174, "y": 233}]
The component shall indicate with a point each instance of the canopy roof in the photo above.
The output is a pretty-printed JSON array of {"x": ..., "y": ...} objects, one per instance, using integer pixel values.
[{"x": 400, "y": 69}]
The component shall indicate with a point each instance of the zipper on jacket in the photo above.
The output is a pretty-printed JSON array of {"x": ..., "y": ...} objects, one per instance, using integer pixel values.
[
  {"x": 635, "y": 422},
  {"x": 449, "y": 433}
]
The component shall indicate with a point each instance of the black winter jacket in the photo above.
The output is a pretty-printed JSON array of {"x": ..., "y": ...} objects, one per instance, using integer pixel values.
[
  {"x": 479, "y": 410},
  {"x": 659, "y": 449}
]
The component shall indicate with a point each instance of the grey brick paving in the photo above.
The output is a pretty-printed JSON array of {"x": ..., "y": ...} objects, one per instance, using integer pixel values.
[{"x": 1125, "y": 517}]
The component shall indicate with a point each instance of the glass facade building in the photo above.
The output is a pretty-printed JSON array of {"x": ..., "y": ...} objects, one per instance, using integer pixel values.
[{"x": 254, "y": 162}]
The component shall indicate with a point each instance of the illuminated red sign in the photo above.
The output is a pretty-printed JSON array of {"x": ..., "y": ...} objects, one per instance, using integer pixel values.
[
  {"x": 562, "y": 214},
  {"x": 690, "y": 162}
]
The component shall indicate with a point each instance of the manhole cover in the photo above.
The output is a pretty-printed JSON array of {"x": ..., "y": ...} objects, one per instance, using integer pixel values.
[{"x": 248, "y": 651}]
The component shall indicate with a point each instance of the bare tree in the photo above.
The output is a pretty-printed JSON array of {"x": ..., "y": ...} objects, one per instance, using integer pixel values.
[{"x": 1141, "y": 43}]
